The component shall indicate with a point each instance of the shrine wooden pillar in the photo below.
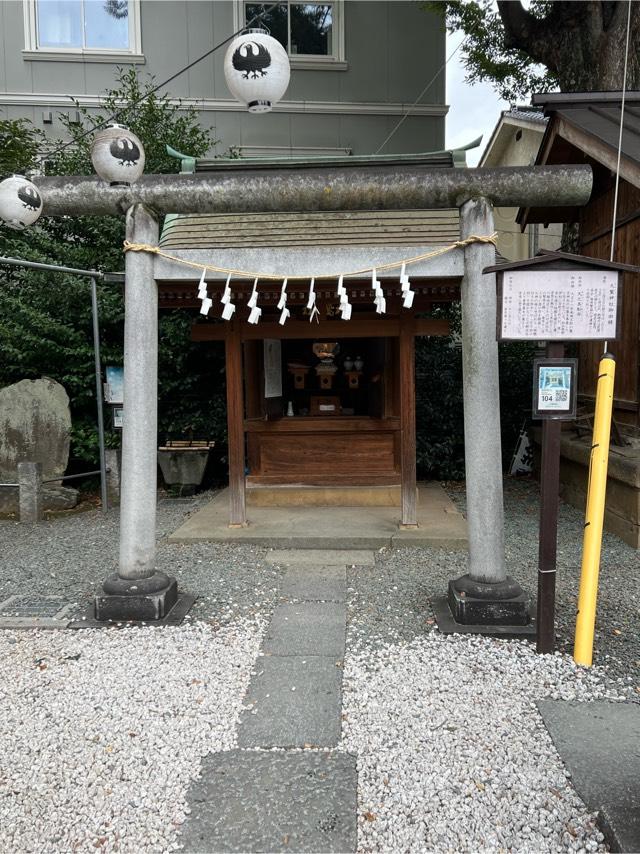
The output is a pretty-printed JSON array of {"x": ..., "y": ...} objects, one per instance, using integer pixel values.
[
  {"x": 235, "y": 425},
  {"x": 407, "y": 376}
]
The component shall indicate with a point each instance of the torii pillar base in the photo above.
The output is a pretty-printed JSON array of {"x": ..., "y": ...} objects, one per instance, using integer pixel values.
[
  {"x": 137, "y": 598},
  {"x": 476, "y": 603}
]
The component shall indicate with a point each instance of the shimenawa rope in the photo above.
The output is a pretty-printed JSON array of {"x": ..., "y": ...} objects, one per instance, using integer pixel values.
[{"x": 248, "y": 274}]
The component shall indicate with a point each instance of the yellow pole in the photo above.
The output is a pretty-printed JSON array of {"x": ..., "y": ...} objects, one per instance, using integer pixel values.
[{"x": 596, "y": 491}]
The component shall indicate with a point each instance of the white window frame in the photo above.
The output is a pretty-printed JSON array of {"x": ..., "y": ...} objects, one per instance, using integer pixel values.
[
  {"x": 77, "y": 54},
  {"x": 335, "y": 62}
]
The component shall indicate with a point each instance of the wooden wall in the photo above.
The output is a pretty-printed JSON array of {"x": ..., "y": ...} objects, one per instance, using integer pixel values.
[{"x": 595, "y": 242}]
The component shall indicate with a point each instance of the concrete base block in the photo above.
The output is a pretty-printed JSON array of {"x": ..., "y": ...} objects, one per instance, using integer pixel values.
[
  {"x": 448, "y": 626},
  {"x": 472, "y": 610},
  {"x": 142, "y": 599}
]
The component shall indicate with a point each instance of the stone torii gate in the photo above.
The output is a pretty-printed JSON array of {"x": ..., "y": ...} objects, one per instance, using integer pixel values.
[{"x": 138, "y": 590}]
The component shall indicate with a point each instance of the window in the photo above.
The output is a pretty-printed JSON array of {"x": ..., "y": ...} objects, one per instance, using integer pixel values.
[
  {"x": 82, "y": 29},
  {"x": 311, "y": 33}
]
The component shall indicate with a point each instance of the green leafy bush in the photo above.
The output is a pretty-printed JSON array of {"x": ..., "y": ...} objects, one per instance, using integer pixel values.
[
  {"x": 45, "y": 318},
  {"x": 439, "y": 399}
]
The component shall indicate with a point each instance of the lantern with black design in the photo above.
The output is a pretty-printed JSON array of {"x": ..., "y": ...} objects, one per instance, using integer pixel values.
[
  {"x": 117, "y": 155},
  {"x": 20, "y": 202},
  {"x": 256, "y": 68}
]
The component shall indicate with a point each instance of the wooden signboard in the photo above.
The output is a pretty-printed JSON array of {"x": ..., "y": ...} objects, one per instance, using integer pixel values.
[{"x": 558, "y": 305}]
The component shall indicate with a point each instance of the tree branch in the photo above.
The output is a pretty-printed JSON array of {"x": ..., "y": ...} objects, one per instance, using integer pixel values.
[{"x": 537, "y": 37}]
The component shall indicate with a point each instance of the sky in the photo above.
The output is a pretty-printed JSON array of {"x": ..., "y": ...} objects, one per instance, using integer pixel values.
[{"x": 473, "y": 110}]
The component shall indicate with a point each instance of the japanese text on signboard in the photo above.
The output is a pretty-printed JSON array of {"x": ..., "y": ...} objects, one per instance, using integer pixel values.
[{"x": 559, "y": 305}]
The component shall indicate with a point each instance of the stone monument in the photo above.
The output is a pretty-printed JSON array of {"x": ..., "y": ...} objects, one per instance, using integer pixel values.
[{"x": 35, "y": 426}]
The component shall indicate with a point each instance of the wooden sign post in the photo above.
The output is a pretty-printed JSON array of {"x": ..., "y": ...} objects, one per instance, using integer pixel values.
[
  {"x": 554, "y": 400},
  {"x": 555, "y": 298}
]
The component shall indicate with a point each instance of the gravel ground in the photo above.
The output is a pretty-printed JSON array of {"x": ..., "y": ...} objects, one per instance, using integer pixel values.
[
  {"x": 452, "y": 753},
  {"x": 105, "y": 736},
  {"x": 462, "y": 771},
  {"x": 390, "y": 602},
  {"x": 72, "y": 555}
]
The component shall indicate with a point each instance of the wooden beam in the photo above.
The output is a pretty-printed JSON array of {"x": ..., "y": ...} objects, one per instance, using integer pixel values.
[
  {"x": 431, "y": 326},
  {"x": 235, "y": 429},
  {"x": 388, "y": 327},
  {"x": 408, "y": 424}
]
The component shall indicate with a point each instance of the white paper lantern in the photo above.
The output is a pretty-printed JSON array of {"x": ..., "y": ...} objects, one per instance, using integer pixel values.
[
  {"x": 20, "y": 202},
  {"x": 256, "y": 68},
  {"x": 117, "y": 155}
]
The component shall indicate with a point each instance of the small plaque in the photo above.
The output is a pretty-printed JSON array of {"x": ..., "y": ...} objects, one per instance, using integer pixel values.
[{"x": 554, "y": 388}]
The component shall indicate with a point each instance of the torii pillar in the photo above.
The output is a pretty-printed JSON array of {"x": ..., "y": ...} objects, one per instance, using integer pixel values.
[
  {"x": 138, "y": 591},
  {"x": 486, "y": 595}
]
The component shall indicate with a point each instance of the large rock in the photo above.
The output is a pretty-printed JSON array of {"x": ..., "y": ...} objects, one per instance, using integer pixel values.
[{"x": 35, "y": 426}]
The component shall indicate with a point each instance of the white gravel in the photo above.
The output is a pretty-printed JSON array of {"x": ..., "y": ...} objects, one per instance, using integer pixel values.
[
  {"x": 102, "y": 731},
  {"x": 452, "y": 752}
]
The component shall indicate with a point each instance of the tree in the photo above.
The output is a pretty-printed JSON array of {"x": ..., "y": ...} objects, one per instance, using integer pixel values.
[
  {"x": 45, "y": 318},
  {"x": 574, "y": 46}
]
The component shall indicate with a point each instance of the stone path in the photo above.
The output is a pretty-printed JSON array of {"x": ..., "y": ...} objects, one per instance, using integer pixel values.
[
  {"x": 599, "y": 743},
  {"x": 302, "y": 797}
]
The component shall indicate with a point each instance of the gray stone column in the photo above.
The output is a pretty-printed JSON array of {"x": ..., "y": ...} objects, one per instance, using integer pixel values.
[
  {"x": 30, "y": 492},
  {"x": 487, "y": 579},
  {"x": 138, "y": 590}
]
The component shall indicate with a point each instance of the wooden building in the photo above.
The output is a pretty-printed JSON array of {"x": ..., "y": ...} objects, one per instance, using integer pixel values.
[
  {"x": 321, "y": 409},
  {"x": 584, "y": 128}
]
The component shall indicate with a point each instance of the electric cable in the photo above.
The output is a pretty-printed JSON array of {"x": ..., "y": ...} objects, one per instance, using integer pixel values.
[
  {"x": 415, "y": 103},
  {"x": 615, "y": 194}
]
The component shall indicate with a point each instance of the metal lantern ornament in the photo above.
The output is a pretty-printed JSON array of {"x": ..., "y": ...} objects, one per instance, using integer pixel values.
[
  {"x": 117, "y": 155},
  {"x": 256, "y": 68},
  {"x": 20, "y": 202}
]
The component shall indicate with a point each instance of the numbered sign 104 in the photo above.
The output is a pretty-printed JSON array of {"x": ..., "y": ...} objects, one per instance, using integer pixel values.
[{"x": 554, "y": 388}]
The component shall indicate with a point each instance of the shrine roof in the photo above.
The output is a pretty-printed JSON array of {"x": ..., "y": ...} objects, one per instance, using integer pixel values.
[
  {"x": 585, "y": 127},
  {"x": 315, "y": 229}
]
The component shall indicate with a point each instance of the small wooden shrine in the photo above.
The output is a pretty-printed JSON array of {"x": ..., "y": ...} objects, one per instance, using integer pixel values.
[{"x": 318, "y": 398}]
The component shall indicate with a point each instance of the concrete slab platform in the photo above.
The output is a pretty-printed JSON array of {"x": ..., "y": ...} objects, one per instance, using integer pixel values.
[
  {"x": 321, "y": 557},
  {"x": 599, "y": 742},
  {"x": 318, "y": 584},
  {"x": 291, "y": 802},
  {"x": 293, "y": 701},
  {"x": 439, "y": 525},
  {"x": 307, "y": 628}
]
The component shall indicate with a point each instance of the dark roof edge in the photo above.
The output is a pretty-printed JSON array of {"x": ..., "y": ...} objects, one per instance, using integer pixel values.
[
  {"x": 554, "y": 98},
  {"x": 544, "y": 256},
  {"x": 447, "y": 158}
]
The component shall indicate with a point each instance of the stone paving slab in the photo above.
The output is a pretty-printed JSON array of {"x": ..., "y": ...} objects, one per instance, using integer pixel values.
[
  {"x": 259, "y": 802},
  {"x": 323, "y": 583},
  {"x": 294, "y": 702},
  {"x": 321, "y": 557},
  {"x": 307, "y": 628},
  {"x": 599, "y": 742}
]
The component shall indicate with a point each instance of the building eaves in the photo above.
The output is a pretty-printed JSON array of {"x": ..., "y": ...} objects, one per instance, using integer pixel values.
[
  {"x": 590, "y": 122},
  {"x": 532, "y": 119}
]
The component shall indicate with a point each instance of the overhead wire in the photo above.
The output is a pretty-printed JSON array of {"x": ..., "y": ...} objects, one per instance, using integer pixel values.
[
  {"x": 420, "y": 96},
  {"x": 622, "y": 103}
]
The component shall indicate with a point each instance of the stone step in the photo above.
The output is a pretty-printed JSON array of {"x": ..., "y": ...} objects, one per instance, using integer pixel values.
[{"x": 322, "y": 496}]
